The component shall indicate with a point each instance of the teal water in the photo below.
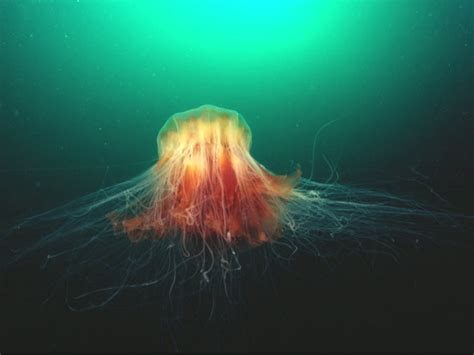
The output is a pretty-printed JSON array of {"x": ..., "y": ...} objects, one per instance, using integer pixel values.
[
  {"x": 91, "y": 83},
  {"x": 385, "y": 87}
]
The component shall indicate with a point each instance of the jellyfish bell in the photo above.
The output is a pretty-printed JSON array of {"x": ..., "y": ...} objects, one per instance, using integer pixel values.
[
  {"x": 215, "y": 122},
  {"x": 208, "y": 185}
]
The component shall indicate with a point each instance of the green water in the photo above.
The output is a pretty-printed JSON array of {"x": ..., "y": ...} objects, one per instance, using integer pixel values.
[
  {"x": 86, "y": 85},
  {"x": 90, "y": 83}
]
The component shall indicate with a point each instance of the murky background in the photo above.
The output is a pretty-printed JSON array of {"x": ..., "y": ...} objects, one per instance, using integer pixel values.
[{"x": 85, "y": 87}]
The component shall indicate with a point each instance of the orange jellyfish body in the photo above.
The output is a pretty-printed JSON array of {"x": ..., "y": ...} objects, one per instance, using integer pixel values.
[{"x": 207, "y": 184}]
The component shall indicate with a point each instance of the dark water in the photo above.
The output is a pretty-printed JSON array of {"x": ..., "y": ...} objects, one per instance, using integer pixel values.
[{"x": 86, "y": 85}]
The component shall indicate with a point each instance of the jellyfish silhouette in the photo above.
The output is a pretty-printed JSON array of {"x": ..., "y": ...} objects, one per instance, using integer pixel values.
[
  {"x": 206, "y": 184},
  {"x": 206, "y": 202}
]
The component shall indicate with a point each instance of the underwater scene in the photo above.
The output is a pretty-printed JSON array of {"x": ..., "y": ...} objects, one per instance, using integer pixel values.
[{"x": 230, "y": 176}]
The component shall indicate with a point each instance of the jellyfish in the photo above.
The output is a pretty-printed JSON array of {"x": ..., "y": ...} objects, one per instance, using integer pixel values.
[
  {"x": 206, "y": 184},
  {"x": 204, "y": 204}
]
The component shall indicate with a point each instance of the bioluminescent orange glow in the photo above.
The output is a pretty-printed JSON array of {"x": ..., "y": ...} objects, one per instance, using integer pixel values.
[{"x": 208, "y": 184}]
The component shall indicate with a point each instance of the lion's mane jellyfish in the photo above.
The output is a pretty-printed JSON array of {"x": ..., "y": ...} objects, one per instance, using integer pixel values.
[
  {"x": 190, "y": 217},
  {"x": 208, "y": 186}
]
